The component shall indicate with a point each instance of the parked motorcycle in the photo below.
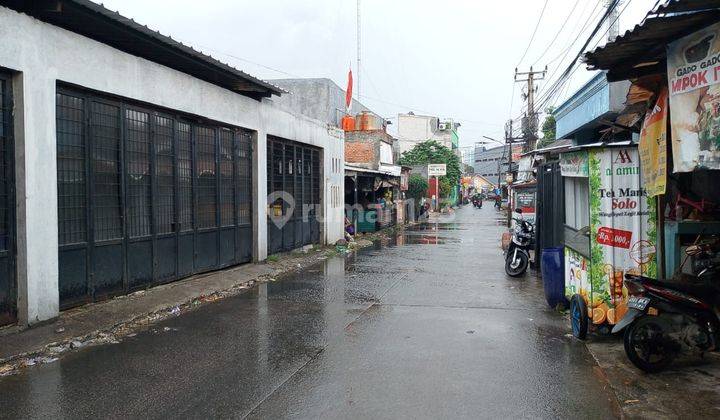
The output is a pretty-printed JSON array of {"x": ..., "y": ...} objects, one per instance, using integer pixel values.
[
  {"x": 517, "y": 256},
  {"x": 665, "y": 319}
]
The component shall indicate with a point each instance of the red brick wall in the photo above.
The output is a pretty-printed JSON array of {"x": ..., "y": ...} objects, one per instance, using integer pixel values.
[{"x": 360, "y": 152}]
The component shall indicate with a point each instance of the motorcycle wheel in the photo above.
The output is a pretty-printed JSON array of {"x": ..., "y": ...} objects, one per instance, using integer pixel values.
[
  {"x": 578, "y": 317},
  {"x": 516, "y": 267},
  {"x": 648, "y": 345}
]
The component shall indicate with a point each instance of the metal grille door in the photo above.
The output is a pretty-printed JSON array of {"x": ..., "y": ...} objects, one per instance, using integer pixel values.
[
  {"x": 551, "y": 209},
  {"x": 7, "y": 220},
  {"x": 146, "y": 196},
  {"x": 293, "y": 169}
]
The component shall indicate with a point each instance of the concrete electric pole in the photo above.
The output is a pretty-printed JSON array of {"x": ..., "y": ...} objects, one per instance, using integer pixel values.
[{"x": 530, "y": 121}]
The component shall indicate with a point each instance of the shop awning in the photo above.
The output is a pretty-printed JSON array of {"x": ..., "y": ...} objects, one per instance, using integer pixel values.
[
  {"x": 624, "y": 143},
  {"x": 641, "y": 51}
]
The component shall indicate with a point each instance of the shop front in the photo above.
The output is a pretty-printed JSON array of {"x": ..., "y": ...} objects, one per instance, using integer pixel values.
[
  {"x": 610, "y": 231},
  {"x": 371, "y": 203}
]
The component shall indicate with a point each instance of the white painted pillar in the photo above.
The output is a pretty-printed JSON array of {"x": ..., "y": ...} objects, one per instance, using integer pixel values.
[
  {"x": 260, "y": 252},
  {"x": 36, "y": 197}
]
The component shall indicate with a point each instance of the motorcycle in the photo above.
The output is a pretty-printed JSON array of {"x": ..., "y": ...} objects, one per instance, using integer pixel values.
[
  {"x": 517, "y": 256},
  {"x": 665, "y": 319},
  {"x": 477, "y": 202}
]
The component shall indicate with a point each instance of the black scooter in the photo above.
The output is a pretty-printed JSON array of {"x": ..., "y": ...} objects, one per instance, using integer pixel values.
[
  {"x": 663, "y": 319},
  {"x": 517, "y": 256}
]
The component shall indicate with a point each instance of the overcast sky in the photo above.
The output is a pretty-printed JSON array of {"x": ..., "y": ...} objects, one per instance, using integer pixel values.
[{"x": 450, "y": 58}]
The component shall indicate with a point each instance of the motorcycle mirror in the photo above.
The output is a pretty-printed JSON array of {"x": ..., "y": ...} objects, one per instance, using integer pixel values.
[{"x": 518, "y": 211}]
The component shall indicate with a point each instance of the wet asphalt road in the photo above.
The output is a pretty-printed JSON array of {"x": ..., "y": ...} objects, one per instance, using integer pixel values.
[{"x": 429, "y": 327}]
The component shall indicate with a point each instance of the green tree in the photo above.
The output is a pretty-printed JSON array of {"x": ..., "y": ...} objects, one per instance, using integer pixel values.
[
  {"x": 433, "y": 152},
  {"x": 548, "y": 128},
  {"x": 417, "y": 186}
]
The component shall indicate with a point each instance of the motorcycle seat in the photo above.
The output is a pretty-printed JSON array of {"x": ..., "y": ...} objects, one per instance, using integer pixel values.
[{"x": 696, "y": 288}]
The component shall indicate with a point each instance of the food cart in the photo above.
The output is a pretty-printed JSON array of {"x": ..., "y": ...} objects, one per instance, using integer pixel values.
[{"x": 610, "y": 230}]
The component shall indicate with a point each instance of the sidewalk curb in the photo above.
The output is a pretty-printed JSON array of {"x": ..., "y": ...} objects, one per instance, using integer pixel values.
[
  {"x": 74, "y": 328},
  {"x": 602, "y": 376}
]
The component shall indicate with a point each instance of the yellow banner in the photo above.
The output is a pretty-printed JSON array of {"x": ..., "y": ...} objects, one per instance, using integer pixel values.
[{"x": 653, "y": 148}]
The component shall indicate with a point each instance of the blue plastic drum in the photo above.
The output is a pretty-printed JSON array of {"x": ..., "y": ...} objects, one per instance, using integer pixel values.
[{"x": 553, "y": 275}]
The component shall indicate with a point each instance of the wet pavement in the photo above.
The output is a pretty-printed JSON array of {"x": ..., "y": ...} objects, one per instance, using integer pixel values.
[{"x": 424, "y": 326}]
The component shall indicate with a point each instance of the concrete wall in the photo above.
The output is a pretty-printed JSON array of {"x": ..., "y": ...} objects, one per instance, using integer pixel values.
[
  {"x": 321, "y": 99},
  {"x": 43, "y": 55},
  {"x": 414, "y": 129}
]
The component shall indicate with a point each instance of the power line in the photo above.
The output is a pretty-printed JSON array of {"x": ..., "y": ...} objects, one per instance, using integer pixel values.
[
  {"x": 565, "y": 52},
  {"x": 537, "y": 25},
  {"x": 558, "y": 32},
  {"x": 570, "y": 69}
]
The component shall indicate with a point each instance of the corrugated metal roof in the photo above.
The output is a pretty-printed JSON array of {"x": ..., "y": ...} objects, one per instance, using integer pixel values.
[
  {"x": 101, "y": 24},
  {"x": 641, "y": 51}
]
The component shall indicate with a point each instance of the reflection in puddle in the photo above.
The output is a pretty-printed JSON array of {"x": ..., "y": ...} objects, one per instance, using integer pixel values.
[{"x": 436, "y": 226}]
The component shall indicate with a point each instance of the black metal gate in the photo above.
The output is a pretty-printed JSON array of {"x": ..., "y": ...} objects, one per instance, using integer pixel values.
[
  {"x": 550, "y": 207},
  {"x": 146, "y": 196},
  {"x": 293, "y": 185},
  {"x": 8, "y": 308}
]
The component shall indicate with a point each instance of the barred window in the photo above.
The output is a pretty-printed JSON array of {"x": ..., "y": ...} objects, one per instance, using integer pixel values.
[
  {"x": 105, "y": 132},
  {"x": 290, "y": 175},
  {"x": 307, "y": 181},
  {"x": 185, "y": 177},
  {"x": 227, "y": 187},
  {"x": 316, "y": 177},
  {"x": 298, "y": 182},
  {"x": 71, "y": 183},
  {"x": 206, "y": 177},
  {"x": 137, "y": 126},
  {"x": 243, "y": 176},
  {"x": 164, "y": 175},
  {"x": 278, "y": 172}
]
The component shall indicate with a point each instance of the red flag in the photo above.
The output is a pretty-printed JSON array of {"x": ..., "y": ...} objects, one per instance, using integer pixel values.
[{"x": 348, "y": 92}]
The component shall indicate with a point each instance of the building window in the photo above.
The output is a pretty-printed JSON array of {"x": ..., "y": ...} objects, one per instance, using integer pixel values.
[{"x": 577, "y": 203}]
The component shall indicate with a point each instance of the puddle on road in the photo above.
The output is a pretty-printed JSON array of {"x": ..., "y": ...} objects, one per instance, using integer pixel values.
[{"x": 436, "y": 226}]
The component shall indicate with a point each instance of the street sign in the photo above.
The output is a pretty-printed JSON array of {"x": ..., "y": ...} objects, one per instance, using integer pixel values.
[{"x": 437, "y": 169}]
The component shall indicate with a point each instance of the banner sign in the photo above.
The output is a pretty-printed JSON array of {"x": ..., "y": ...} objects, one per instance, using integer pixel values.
[
  {"x": 653, "y": 149},
  {"x": 623, "y": 224},
  {"x": 437, "y": 169},
  {"x": 694, "y": 80},
  {"x": 623, "y": 234},
  {"x": 574, "y": 164}
]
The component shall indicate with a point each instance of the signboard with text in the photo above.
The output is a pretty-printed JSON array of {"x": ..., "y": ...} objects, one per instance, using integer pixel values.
[
  {"x": 652, "y": 147},
  {"x": 437, "y": 169},
  {"x": 693, "y": 66},
  {"x": 574, "y": 164}
]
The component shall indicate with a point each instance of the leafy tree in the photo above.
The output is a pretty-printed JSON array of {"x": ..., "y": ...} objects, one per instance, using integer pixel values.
[
  {"x": 417, "y": 186},
  {"x": 433, "y": 152},
  {"x": 548, "y": 127}
]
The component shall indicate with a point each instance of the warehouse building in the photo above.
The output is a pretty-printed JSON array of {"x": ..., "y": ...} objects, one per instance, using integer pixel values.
[{"x": 128, "y": 159}]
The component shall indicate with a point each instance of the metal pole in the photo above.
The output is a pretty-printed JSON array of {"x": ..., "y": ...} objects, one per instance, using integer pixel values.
[{"x": 358, "y": 49}]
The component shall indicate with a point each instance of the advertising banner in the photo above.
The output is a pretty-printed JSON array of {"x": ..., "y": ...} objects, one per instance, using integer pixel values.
[
  {"x": 622, "y": 229},
  {"x": 653, "y": 149},
  {"x": 574, "y": 164},
  {"x": 576, "y": 275},
  {"x": 694, "y": 80}
]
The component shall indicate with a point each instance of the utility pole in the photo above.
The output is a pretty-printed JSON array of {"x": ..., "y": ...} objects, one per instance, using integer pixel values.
[
  {"x": 358, "y": 49},
  {"x": 509, "y": 140},
  {"x": 530, "y": 121},
  {"x": 613, "y": 20}
]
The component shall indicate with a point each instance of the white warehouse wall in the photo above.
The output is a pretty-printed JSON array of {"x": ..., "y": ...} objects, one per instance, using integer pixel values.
[{"x": 42, "y": 55}]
